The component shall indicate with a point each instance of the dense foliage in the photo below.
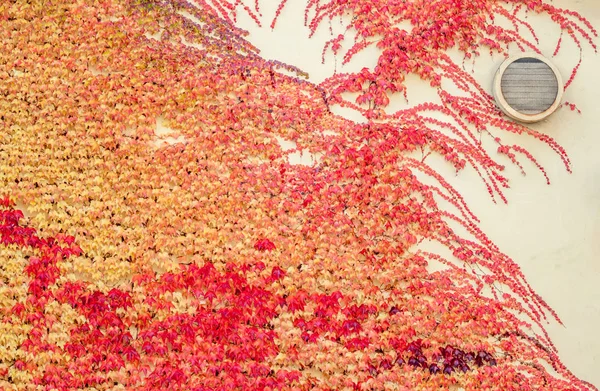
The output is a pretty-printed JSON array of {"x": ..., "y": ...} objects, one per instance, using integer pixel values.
[{"x": 202, "y": 259}]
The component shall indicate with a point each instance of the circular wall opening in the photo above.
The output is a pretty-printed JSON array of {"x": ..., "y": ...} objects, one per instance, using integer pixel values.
[{"x": 527, "y": 87}]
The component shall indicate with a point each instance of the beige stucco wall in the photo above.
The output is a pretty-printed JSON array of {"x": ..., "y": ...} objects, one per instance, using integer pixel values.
[{"x": 552, "y": 232}]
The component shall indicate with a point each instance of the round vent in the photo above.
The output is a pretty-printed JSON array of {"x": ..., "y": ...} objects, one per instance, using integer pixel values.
[{"x": 528, "y": 87}]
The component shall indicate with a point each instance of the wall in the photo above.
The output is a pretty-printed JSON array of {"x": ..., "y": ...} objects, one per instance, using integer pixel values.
[{"x": 552, "y": 232}]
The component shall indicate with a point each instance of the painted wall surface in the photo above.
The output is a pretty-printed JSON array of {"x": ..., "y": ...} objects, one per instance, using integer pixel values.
[{"x": 552, "y": 232}]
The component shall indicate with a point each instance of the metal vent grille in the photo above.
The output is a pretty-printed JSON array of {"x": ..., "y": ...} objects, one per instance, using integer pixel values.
[{"x": 528, "y": 88}]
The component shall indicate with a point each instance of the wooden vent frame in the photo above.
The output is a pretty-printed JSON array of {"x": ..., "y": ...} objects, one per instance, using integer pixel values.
[{"x": 517, "y": 76}]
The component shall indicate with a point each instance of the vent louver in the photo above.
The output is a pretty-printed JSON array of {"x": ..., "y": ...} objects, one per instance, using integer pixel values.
[{"x": 528, "y": 88}]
